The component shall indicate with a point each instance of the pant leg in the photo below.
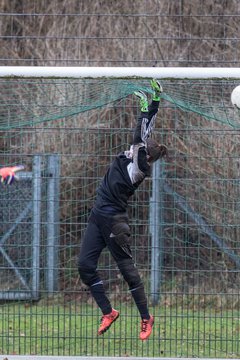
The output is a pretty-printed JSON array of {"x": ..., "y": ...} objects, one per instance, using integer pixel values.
[
  {"x": 130, "y": 274},
  {"x": 91, "y": 248}
]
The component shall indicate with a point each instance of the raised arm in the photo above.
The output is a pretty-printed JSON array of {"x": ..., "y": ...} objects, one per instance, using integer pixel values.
[
  {"x": 144, "y": 151},
  {"x": 147, "y": 118}
]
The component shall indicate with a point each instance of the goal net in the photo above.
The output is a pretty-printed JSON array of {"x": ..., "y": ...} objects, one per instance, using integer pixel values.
[
  {"x": 65, "y": 126},
  {"x": 40, "y": 99}
]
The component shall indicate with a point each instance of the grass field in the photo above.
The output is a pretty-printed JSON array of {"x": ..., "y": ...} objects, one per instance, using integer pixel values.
[{"x": 69, "y": 330}]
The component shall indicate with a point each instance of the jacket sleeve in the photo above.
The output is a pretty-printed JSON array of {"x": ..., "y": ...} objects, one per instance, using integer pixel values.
[
  {"x": 145, "y": 124},
  {"x": 138, "y": 168}
]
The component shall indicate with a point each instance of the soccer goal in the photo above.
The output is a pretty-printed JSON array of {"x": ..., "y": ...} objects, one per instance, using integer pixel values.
[{"x": 66, "y": 125}]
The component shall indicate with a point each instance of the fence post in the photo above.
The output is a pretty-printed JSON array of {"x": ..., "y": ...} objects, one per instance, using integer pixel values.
[
  {"x": 53, "y": 176},
  {"x": 157, "y": 228},
  {"x": 36, "y": 183}
]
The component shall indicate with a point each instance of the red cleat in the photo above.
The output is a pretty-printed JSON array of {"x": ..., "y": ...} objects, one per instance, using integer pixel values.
[
  {"x": 107, "y": 320},
  {"x": 146, "y": 328}
]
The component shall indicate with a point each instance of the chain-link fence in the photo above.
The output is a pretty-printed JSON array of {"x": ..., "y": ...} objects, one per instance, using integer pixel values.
[{"x": 192, "y": 273}]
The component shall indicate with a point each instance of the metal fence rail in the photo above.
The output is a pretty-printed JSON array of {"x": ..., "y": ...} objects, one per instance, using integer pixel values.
[
  {"x": 28, "y": 357},
  {"x": 20, "y": 240}
]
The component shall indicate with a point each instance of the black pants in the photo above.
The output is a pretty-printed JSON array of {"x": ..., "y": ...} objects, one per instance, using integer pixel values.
[{"x": 98, "y": 236}]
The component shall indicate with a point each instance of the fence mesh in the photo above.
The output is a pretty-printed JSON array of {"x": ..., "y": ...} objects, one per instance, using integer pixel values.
[{"x": 196, "y": 314}]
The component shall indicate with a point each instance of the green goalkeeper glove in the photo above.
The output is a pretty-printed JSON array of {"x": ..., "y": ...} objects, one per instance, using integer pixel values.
[
  {"x": 157, "y": 88},
  {"x": 143, "y": 100}
]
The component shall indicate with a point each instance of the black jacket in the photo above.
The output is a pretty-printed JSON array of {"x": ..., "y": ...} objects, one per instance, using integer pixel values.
[{"x": 123, "y": 177}]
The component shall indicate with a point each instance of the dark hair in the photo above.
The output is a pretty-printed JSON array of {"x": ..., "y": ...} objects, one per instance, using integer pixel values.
[{"x": 155, "y": 150}]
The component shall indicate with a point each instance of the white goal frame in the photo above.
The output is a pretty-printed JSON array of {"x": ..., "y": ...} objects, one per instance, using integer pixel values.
[{"x": 121, "y": 72}]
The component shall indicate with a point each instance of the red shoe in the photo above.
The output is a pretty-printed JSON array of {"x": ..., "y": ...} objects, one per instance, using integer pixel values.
[
  {"x": 107, "y": 320},
  {"x": 146, "y": 328}
]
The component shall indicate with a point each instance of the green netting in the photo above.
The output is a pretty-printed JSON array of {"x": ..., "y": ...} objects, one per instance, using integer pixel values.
[
  {"x": 208, "y": 98},
  {"x": 25, "y": 102}
]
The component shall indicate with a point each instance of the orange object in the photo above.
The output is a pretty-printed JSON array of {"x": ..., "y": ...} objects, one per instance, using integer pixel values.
[
  {"x": 146, "y": 328},
  {"x": 107, "y": 320},
  {"x": 8, "y": 174}
]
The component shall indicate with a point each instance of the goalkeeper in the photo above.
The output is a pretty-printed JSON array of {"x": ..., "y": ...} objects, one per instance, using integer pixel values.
[{"x": 108, "y": 222}]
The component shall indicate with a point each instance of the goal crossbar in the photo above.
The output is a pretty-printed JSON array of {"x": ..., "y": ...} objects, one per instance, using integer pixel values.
[{"x": 120, "y": 72}]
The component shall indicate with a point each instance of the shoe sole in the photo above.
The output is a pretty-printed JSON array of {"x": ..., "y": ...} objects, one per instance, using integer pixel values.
[{"x": 104, "y": 330}]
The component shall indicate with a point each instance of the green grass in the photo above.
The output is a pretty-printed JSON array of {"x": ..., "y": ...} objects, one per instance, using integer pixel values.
[{"x": 70, "y": 330}]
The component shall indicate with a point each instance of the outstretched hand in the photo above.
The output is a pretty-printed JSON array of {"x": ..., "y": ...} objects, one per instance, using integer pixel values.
[{"x": 8, "y": 174}]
